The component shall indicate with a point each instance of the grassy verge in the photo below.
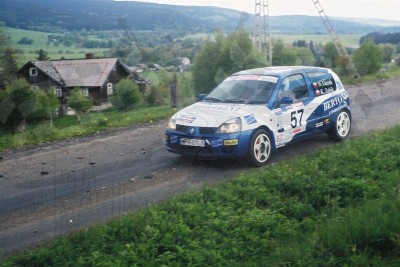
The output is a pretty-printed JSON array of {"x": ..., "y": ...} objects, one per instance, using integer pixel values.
[
  {"x": 68, "y": 126},
  {"x": 392, "y": 72},
  {"x": 336, "y": 207}
]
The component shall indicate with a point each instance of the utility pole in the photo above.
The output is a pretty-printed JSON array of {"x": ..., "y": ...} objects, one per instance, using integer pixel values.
[
  {"x": 335, "y": 38},
  {"x": 261, "y": 33},
  {"x": 328, "y": 25}
]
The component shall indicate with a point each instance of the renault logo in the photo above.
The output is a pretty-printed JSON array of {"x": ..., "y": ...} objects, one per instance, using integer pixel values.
[{"x": 191, "y": 131}]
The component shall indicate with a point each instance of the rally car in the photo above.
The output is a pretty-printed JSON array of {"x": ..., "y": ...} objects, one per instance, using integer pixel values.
[{"x": 254, "y": 112}]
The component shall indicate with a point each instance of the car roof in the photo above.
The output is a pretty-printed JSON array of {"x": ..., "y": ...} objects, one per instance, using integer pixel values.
[{"x": 281, "y": 71}]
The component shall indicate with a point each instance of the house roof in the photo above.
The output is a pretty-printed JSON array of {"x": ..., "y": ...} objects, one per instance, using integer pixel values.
[{"x": 82, "y": 72}]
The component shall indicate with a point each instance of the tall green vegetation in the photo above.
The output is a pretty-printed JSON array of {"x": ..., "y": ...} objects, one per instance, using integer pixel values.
[
  {"x": 126, "y": 95},
  {"x": 222, "y": 56},
  {"x": 77, "y": 101},
  {"x": 368, "y": 59},
  {"x": 8, "y": 59},
  {"x": 20, "y": 104}
]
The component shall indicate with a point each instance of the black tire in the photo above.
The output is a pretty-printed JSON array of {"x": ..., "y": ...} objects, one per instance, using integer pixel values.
[
  {"x": 260, "y": 148},
  {"x": 342, "y": 126}
]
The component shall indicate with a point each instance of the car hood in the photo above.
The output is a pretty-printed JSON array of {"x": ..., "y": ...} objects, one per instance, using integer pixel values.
[{"x": 210, "y": 114}]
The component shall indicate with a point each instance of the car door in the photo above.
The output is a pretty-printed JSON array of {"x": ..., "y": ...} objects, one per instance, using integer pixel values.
[{"x": 291, "y": 110}]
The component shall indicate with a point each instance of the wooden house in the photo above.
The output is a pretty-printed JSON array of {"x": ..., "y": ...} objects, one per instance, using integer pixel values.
[{"x": 95, "y": 77}]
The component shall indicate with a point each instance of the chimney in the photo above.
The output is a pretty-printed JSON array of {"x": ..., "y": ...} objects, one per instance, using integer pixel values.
[{"x": 90, "y": 56}]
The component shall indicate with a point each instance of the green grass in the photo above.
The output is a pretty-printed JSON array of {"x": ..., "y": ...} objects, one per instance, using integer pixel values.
[
  {"x": 391, "y": 72},
  {"x": 337, "y": 207},
  {"x": 348, "y": 40},
  {"x": 68, "y": 126},
  {"x": 40, "y": 42}
]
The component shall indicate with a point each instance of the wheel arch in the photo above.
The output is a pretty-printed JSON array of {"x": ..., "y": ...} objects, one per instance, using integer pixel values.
[{"x": 271, "y": 134}]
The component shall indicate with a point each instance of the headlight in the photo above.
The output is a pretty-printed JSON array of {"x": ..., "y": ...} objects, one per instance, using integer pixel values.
[
  {"x": 230, "y": 126},
  {"x": 172, "y": 123}
]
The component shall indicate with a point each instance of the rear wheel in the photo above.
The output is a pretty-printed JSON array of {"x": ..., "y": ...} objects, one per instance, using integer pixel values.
[
  {"x": 342, "y": 126},
  {"x": 260, "y": 148}
]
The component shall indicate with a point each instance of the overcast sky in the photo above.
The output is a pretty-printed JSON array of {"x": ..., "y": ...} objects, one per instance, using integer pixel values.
[{"x": 383, "y": 9}]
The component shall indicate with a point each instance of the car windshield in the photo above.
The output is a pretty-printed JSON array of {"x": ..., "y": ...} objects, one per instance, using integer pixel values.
[{"x": 243, "y": 89}]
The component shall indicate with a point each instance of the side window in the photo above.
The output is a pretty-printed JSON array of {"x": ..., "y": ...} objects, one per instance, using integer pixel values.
[
  {"x": 323, "y": 83},
  {"x": 294, "y": 87}
]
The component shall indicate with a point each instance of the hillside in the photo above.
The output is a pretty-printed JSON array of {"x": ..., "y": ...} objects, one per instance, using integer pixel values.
[{"x": 62, "y": 15}]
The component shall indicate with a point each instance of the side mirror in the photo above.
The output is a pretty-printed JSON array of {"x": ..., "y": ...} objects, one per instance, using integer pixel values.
[
  {"x": 201, "y": 97},
  {"x": 287, "y": 100}
]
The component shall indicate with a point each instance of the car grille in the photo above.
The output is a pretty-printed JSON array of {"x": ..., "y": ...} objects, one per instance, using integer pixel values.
[{"x": 202, "y": 130}]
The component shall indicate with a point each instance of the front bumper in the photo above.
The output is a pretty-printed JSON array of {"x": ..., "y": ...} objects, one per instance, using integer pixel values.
[{"x": 210, "y": 146}]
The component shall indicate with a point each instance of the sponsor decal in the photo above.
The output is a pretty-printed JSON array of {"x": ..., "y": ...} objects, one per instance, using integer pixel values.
[
  {"x": 216, "y": 143},
  {"x": 339, "y": 85},
  {"x": 250, "y": 119},
  {"x": 246, "y": 77},
  {"x": 298, "y": 130},
  {"x": 337, "y": 100},
  {"x": 322, "y": 123},
  {"x": 232, "y": 142},
  {"x": 186, "y": 119},
  {"x": 217, "y": 107},
  {"x": 277, "y": 111},
  {"x": 324, "y": 86}
]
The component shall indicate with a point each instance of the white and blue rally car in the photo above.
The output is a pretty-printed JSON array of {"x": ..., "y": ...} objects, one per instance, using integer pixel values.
[{"x": 254, "y": 112}]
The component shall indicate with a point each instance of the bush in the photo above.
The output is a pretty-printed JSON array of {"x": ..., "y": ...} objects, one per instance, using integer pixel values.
[
  {"x": 78, "y": 102},
  {"x": 126, "y": 95},
  {"x": 368, "y": 58},
  {"x": 44, "y": 107},
  {"x": 16, "y": 103}
]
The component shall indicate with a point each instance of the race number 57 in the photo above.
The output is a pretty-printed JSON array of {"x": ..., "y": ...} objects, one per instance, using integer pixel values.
[{"x": 296, "y": 117}]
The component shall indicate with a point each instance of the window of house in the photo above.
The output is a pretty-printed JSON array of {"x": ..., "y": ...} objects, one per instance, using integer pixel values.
[
  {"x": 85, "y": 91},
  {"x": 33, "y": 72},
  {"x": 58, "y": 91},
  {"x": 110, "y": 89}
]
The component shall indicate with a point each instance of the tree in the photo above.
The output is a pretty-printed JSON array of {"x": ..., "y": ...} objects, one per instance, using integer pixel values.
[
  {"x": 304, "y": 56},
  {"x": 25, "y": 41},
  {"x": 368, "y": 58},
  {"x": 45, "y": 105},
  {"x": 17, "y": 102},
  {"x": 223, "y": 56},
  {"x": 282, "y": 55},
  {"x": 41, "y": 55},
  {"x": 78, "y": 102},
  {"x": 205, "y": 66},
  {"x": 8, "y": 60},
  {"x": 126, "y": 95},
  {"x": 330, "y": 55}
]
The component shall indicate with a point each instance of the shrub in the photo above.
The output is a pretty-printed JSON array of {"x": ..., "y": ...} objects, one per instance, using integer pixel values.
[
  {"x": 126, "y": 95},
  {"x": 78, "y": 102},
  {"x": 368, "y": 58},
  {"x": 16, "y": 103}
]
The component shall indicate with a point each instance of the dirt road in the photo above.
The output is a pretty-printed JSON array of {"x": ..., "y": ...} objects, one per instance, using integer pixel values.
[{"x": 65, "y": 186}]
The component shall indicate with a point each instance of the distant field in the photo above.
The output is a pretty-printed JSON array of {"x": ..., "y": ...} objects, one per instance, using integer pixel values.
[
  {"x": 349, "y": 40},
  {"x": 56, "y": 52},
  {"x": 40, "y": 42}
]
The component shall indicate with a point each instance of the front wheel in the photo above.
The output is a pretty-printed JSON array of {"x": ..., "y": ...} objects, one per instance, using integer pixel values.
[
  {"x": 260, "y": 148},
  {"x": 342, "y": 126}
]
